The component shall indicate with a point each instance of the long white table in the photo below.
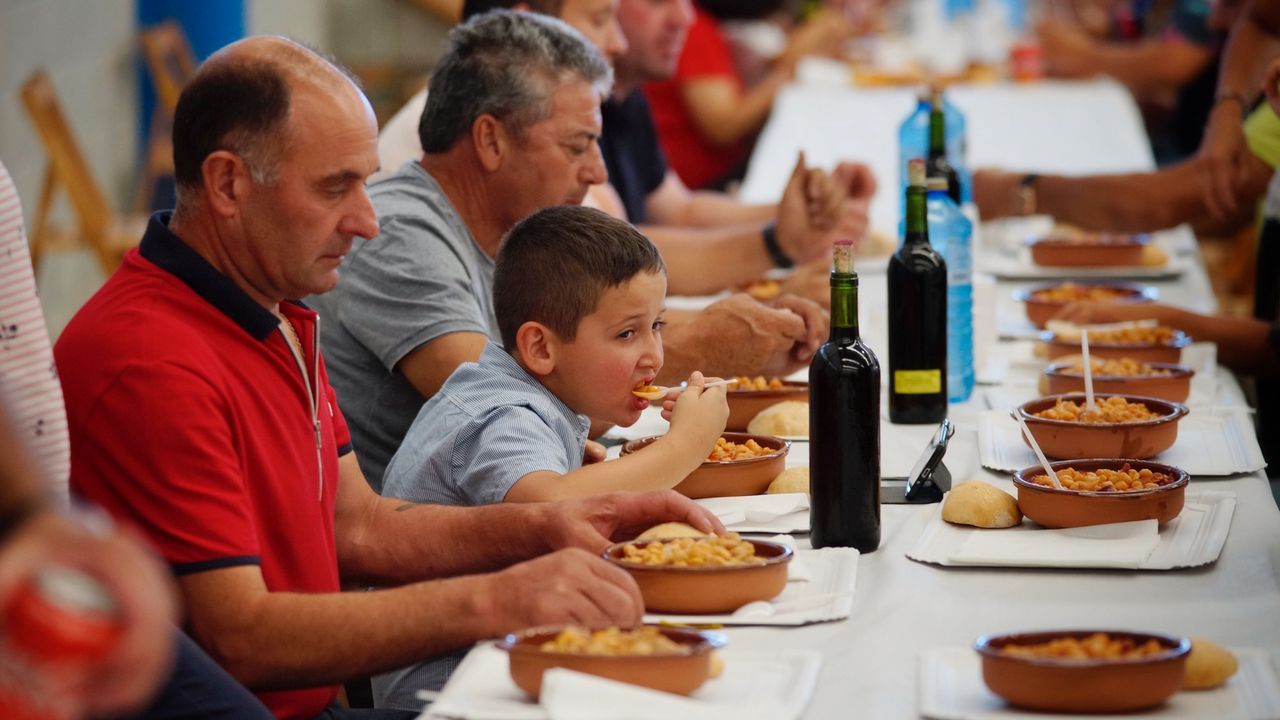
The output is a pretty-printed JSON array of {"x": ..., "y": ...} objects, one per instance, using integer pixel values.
[{"x": 902, "y": 607}]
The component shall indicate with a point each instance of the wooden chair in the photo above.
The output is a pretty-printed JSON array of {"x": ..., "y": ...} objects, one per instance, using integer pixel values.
[
  {"x": 170, "y": 63},
  {"x": 108, "y": 235}
]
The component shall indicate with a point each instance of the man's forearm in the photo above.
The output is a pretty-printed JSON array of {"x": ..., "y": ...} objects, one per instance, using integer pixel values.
[
  {"x": 1242, "y": 342},
  {"x": 293, "y": 640},
  {"x": 1138, "y": 202},
  {"x": 1254, "y": 36},
  {"x": 715, "y": 209},
  {"x": 397, "y": 541},
  {"x": 706, "y": 261},
  {"x": 1152, "y": 65}
]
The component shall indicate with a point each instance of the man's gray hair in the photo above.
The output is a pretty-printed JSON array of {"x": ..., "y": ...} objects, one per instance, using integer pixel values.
[{"x": 506, "y": 64}]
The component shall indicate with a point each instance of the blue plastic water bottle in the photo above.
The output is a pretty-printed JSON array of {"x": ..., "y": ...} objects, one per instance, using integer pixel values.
[
  {"x": 951, "y": 234},
  {"x": 913, "y": 142}
]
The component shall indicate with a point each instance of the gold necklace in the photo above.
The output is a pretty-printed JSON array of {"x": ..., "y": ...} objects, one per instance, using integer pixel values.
[{"x": 291, "y": 335}]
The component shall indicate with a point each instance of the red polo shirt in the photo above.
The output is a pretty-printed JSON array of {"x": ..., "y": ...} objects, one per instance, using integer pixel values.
[
  {"x": 190, "y": 418},
  {"x": 697, "y": 160}
]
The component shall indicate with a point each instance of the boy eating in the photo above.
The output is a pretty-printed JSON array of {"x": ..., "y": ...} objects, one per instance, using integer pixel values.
[{"x": 579, "y": 298}]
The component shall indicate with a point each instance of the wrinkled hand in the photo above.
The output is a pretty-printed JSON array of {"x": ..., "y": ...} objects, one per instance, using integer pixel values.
[
  {"x": 593, "y": 523},
  {"x": 740, "y": 335},
  {"x": 698, "y": 414},
  {"x": 1222, "y": 158},
  {"x": 593, "y": 453},
  {"x": 811, "y": 205},
  {"x": 993, "y": 193},
  {"x": 128, "y": 676},
  {"x": 811, "y": 281},
  {"x": 567, "y": 587},
  {"x": 1066, "y": 50},
  {"x": 817, "y": 325}
]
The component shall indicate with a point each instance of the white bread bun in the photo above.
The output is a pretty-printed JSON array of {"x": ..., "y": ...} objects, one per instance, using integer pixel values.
[
  {"x": 790, "y": 417},
  {"x": 791, "y": 480},
  {"x": 1208, "y": 666},
  {"x": 981, "y": 505},
  {"x": 670, "y": 530}
]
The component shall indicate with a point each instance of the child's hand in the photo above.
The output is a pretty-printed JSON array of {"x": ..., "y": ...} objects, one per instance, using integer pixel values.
[
  {"x": 698, "y": 414},
  {"x": 594, "y": 452}
]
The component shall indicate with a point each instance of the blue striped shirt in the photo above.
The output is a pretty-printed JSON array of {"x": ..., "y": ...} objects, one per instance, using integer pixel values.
[{"x": 491, "y": 424}]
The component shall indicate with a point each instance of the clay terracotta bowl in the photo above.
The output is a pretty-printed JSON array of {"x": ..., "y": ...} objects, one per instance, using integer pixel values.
[
  {"x": 1054, "y": 508},
  {"x": 1167, "y": 352},
  {"x": 1041, "y": 311},
  {"x": 707, "y": 590},
  {"x": 744, "y": 405},
  {"x": 1063, "y": 439},
  {"x": 674, "y": 673},
  {"x": 728, "y": 478},
  {"x": 1082, "y": 686},
  {"x": 1091, "y": 250},
  {"x": 1175, "y": 387}
]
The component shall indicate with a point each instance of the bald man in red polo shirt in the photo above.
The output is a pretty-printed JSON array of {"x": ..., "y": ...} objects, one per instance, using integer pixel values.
[{"x": 200, "y": 410}]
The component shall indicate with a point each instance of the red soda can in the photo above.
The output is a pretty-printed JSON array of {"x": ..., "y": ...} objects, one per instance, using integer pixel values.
[{"x": 57, "y": 620}]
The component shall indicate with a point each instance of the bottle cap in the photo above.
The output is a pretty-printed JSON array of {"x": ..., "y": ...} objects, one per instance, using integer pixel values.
[
  {"x": 842, "y": 255},
  {"x": 915, "y": 172},
  {"x": 60, "y": 614}
]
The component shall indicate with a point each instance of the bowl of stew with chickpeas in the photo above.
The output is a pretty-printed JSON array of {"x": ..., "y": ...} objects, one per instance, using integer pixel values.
[
  {"x": 1100, "y": 491},
  {"x": 1125, "y": 426},
  {"x": 703, "y": 575},
  {"x": 1083, "y": 671},
  {"x": 738, "y": 464}
]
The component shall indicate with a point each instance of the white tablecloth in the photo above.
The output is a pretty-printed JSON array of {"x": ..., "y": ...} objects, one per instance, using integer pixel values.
[{"x": 902, "y": 607}]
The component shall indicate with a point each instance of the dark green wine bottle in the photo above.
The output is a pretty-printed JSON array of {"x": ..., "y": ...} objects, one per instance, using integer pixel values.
[
  {"x": 917, "y": 317},
  {"x": 844, "y": 424}
]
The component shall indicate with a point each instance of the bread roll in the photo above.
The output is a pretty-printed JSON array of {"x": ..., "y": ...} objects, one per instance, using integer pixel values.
[
  {"x": 1208, "y": 666},
  {"x": 981, "y": 505},
  {"x": 1153, "y": 255},
  {"x": 671, "y": 530},
  {"x": 785, "y": 418},
  {"x": 791, "y": 480}
]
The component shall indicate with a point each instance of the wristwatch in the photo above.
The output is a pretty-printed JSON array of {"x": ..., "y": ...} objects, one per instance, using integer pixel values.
[{"x": 771, "y": 246}]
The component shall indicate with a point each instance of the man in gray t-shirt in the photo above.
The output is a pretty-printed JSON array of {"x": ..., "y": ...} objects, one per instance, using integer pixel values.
[{"x": 422, "y": 278}]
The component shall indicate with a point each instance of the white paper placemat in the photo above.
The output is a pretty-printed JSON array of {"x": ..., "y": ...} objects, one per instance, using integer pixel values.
[
  {"x": 951, "y": 688},
  {"x": 781, "y": 682},
  {"x": 819, "y": 589},
  {"x": 781, "y": 513},
  {"x": 1221, "y": 442},
  {"x": 1192, "y": 539}
]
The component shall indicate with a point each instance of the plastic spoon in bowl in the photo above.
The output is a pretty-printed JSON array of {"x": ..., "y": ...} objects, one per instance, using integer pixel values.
[
  {"x": 1044, "y": 462},
  {"x": 1089, "y": 407},
  {"x": 657, "y": 392}
]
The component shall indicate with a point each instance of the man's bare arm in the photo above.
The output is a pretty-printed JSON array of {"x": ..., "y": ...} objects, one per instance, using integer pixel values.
[{"x": 429, "y": 365}]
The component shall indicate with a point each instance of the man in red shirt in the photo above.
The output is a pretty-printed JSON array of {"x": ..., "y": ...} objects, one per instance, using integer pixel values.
[{"x": 200, "y": 410}]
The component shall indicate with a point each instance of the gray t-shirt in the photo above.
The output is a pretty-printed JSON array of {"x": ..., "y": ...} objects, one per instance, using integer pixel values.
[{"x": 421, "y": 278}]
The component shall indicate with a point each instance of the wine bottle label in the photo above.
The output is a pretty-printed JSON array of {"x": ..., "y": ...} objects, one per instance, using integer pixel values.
[{"x": 917, "y": 382}]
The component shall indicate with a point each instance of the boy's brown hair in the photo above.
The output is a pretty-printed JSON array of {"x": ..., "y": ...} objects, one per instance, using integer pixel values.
[{"x": 554, "y": 266}]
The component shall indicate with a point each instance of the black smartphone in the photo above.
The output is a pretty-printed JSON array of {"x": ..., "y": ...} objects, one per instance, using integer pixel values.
[{"x": 929, "y": 479}]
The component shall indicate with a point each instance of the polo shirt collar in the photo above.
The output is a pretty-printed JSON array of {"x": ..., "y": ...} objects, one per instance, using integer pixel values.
[
  {"x": 504, "y": 363},
  {"x": 168, "y": 252}
]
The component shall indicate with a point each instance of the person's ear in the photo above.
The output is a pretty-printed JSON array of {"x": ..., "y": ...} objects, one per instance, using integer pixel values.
[
  {"x": 226, "y": 181},
  {"x": 537, "y": 346},
  {"x": 490, "y": 141}
]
